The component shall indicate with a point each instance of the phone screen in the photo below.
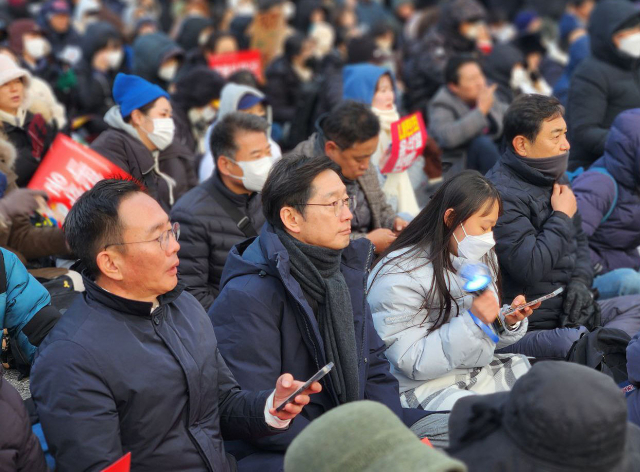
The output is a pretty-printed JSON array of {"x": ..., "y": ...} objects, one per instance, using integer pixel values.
[
  {"x": 541, "y": 299},
  {"x": 317, "y": 376}
]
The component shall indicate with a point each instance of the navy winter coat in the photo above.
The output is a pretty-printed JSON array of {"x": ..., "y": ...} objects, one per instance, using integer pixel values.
[
  {"x": 633, "y": 368},
  {"x": 266, "y": 327},
  {"x": 114, "y": 377},
  {"x": 539, "y": 250},
  {"x": 614, "y": 243}
]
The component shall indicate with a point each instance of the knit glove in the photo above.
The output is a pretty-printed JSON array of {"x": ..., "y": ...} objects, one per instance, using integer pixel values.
[
  {"x": 578, "y": 299},
  {"x": 21, "y": 201}
]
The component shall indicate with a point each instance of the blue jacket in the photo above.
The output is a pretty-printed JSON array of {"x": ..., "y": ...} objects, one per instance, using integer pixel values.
[
  {"x": 113, "y": 377},
  {"x": 539, "y": 250},
  {"x": 265, "y": 328},
  {"x": 614, "y": 242},
  {"x": 21, "y": 301},
  {"x": 359, "y": 82},
  {"x": 633, "y": 369}
]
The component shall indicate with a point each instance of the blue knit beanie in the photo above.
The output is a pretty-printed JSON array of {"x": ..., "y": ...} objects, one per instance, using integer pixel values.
[{"x": 131, "y": 92}]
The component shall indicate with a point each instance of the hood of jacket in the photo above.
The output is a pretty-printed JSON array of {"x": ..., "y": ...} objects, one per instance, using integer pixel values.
[
  {"x": 232, "y": 94},
  {"x": 359, "y": 82},
  {"x": 452, "y": 14},
  {"x": 190, "y": 30},
  {"x": 606, "y": 18},
  {"x": 622, "y": 149},
  {"x": 113, "y": 118},
  {"x": 499, "y": 64},
  {"x": 149, "y": 51},
  {"x": 96, "y": 38}
]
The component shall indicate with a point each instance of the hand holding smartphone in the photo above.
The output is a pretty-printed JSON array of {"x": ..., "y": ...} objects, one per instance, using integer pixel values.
[
  {"x": 317, "y": 376},
  {"x": 537, "y": 300}
]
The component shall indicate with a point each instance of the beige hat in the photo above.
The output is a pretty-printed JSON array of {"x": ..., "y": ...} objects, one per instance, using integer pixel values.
[{"x": 9, "y": 71}]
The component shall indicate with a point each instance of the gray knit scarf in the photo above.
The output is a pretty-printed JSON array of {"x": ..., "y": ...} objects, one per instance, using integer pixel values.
[{"x": 317, "y": 270}]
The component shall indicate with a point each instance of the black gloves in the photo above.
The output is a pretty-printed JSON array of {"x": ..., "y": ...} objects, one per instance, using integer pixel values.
[{"x": 580, "y": 307}]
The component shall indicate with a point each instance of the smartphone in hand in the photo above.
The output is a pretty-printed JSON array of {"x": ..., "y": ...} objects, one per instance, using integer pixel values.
[{"x": 317, "y": 376}]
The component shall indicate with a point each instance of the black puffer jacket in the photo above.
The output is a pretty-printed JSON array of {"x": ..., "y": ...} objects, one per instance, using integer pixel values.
[
  {"x": 424, "y": 68},
  {"x": 539, "y": 250},
  {"x": 207, "y": 234},
  {"x": 603, "y": 85},
  {"x": 282, "y": 90},
  {"x": 174, "y": 174},
  {"x": 19, "y": 448}
]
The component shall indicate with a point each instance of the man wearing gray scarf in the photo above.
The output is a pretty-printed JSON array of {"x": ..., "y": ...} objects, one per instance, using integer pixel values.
[{"x": 294, "y": 299}]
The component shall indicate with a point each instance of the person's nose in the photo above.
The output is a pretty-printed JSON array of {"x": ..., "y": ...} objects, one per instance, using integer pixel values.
[
  {"x": 174, "y": 245},
  {"x": 565, "y": 146},
  {"x": 346, "y": 214}
]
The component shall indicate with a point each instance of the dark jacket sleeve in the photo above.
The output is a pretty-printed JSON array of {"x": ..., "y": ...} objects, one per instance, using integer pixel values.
[
  {"x": 195, "y": 256},
  {"x": 248, "y": 336},
  {"x": 34, "y": 242},
  {"x": 527, "y": 255},
  {"x": 583, "y": 270},
  {"x": 82, "y": 435},
  {"x": 587, "y": 105},
  {"x": 594, "y": 194},
  {"x": 17, "y": 434},
  {"x": 241, "y": 411},
  {"x": 90, "y": 90}
]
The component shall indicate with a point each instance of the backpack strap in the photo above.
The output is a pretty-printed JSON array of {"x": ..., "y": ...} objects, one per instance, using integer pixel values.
[
  {"x": 3, "y": 274},
  {"x": 604, "y": 171},
  {"x": 242, "y": 221}
]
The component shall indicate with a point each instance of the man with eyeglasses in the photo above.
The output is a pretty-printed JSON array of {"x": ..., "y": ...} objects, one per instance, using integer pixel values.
[
  {"x": 226, "y": 208},
  {"x": 293, "y": 299},
  {"x": 133, "y": 365}
]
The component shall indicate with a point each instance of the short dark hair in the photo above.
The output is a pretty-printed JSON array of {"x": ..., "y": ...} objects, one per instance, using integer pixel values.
[
  {"x": 293, "y": 45},
  {"x": 527, "y": 113},
  {"x": 223, "y": 136},
  {"x": 452, "y": 69},
  {"x": 144, "y": 109},
  {"x": 93, "y": 221},
  {"x": 349, "y": 124},
  {"x": 290, "y": 184}
]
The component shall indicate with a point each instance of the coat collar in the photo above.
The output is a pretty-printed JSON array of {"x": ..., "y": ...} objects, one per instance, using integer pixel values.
[{"x": 523, "y": 171}]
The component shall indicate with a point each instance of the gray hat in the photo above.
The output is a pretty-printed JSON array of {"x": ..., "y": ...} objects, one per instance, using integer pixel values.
[
  {"x": 559, "y": 417},
  {"x": 363, "y": 436}
]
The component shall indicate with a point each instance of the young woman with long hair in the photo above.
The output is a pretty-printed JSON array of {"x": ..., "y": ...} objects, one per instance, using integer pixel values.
[{"x": 438, "y": 336}]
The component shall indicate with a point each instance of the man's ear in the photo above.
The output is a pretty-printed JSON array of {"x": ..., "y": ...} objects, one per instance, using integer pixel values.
[
  {"x": 453, "y": 88},
  {"x": 110, "y": 263},
  {"x": 520, "y": 144},
  {"x": 292, "y": 219},
  {"x": 331, "y": 149},
  {"x": 448, "y": 217}
]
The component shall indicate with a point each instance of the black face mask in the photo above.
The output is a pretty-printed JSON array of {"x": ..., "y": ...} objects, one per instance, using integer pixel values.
[{"x": 553, "y": 166}]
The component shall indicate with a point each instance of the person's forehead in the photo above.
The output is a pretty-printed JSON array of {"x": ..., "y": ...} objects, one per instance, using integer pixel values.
[
  {"x": 140, "y": 213},
  {"x": 364, "y": 148},
  {"x": 162, "y": 104},
  {"x": 250, "y": 140},
  {"x": 327, "y": 184},
  {"x": 469, "y": 69},
  {"x": 556, "y": 124}
]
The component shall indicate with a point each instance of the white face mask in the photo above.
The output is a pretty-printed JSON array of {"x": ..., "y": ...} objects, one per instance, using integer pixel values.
[
  {"x": 631, "y": 45},
  {"x": 37, "y": 47},
  {"x": 168, "y": 72},
  {"x": 474, "y": 31},
  {"x": 203, "y": 37},
  {"x": 255, "y": 173},
  {"x": 475, "y": 247},
  {"x": 202, "y": 115},
  {"x": 519, "y": 77},
  {"x": 114, "y": 58},
  {"x": 163, "y": 132}
]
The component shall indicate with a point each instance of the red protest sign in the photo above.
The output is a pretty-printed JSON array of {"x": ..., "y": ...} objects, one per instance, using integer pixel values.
[
  {"x": 408, "y": 139},
  {"x": 228, "y": 63},
  {"x": 121, "y": 465},
  {"x": 67, "y": 171}
]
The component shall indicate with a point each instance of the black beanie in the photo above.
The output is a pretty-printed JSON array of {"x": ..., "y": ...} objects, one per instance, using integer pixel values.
[{"x": 198, "y": 87}]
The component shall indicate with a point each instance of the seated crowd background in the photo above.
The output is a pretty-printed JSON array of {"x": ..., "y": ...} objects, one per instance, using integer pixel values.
[{"x": 389, "y": 190}]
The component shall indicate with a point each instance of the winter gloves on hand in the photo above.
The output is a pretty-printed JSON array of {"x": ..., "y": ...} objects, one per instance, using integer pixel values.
[{"x": 580, "y": 308}]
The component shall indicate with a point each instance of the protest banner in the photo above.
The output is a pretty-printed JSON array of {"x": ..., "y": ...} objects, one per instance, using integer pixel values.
[
  {"x": 228, "y": 63},
  {"x": 408, "y": 140},
  {"x": 67, "y": 171},
  {"x": 121, "y": 465},
  {"x": 268, "y": 32}
]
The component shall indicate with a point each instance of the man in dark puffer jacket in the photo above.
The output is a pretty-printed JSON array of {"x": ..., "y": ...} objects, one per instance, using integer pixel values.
[
  {"x": 243, "y": 159},
  {"x": 539, "y": 239},
  {"x": 605, "y": 84}
]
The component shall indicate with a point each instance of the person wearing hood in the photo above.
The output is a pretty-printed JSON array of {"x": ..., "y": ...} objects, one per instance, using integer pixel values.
[
  {"x": 195, "y": 106},
  {"x": 540, "y": 243},
  {"x": 574, "y": 35},
  {"x": 559, "y": 416},
  {"x": 102, "y": 59},
  {"x": 55, "y": 20},
  {"x": 28, "y": 132},
  {"x": 461, "y": 28},
  {"x": 226, "y": 208},
  {"x": 246, "y": 99},
  {"x": 27, "y": 41},
  {"x": 465, "y": 118},
  {"x": 608, "y": 196},
  {"x": 503, "y": 67},
  {"x": 194, "y": 32},
  {"x": 285, "y": 77},
  {"x": 140, "y": 140},
  {"x": 375, "y": 86},
  {"x": 157, "y": 58},
  {"x": 606, "y": 83}
]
